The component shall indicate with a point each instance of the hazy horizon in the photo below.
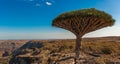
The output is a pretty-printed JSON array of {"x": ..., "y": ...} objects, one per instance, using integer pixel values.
[{"x": 31, "y": 19}]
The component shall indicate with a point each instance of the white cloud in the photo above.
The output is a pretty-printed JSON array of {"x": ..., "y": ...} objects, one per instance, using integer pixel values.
[{"x": 48, "y": 3}]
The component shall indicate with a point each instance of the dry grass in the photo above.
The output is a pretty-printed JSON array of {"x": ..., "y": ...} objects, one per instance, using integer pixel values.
[
  {"x": 108, "y": 49},
  {"x": 99, "y": 47},
  {"x": 102, "y": 47},
  {"x": 4, "y": 60}
]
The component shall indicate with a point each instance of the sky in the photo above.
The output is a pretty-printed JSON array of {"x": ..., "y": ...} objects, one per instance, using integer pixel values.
[{"x": 32, "y": 19}]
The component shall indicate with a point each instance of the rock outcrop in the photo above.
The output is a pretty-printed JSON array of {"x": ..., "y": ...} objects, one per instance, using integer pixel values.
[{"x": 9, "y": 46}]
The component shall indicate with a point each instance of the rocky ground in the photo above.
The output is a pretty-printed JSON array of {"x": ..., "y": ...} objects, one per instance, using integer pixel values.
[
  {"x": 8, "y": 46},
  {"x": 93, "y": 51}
]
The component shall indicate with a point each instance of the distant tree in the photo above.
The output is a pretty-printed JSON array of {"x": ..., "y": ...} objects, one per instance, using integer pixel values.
[{"x": 83, "y": 21}]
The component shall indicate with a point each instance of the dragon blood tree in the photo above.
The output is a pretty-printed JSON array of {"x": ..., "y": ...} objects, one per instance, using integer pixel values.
[{"x": 83, "y": 21}]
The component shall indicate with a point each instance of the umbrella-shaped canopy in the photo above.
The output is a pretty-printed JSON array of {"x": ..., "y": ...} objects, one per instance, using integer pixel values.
[{"x": 83, "y": 21}]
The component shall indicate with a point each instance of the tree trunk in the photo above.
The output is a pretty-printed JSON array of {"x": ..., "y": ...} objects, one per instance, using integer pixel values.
[{"x": 77, "y": 49}]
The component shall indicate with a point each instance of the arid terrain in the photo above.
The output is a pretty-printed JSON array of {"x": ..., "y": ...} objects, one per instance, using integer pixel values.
[
  {"x": 104, "y": 50},
  {"x": 10, "y": 45}
]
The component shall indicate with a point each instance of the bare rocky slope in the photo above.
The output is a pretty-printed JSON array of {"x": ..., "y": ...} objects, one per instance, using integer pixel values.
[{"x": 9, "y": 46}]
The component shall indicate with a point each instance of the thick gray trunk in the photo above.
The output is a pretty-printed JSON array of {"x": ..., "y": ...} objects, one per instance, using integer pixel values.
[{"x": 77, "y": 49}]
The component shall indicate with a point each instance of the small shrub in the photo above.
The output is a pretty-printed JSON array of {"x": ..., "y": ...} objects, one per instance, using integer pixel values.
[
  {"x": 106, "y": 50},
  {"x": 71, "y": 47}
]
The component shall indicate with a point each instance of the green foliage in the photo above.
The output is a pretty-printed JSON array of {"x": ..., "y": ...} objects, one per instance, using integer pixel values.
[{"x": 82, "y": 13}]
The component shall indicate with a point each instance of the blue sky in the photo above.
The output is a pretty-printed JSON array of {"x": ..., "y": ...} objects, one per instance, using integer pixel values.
[{"x": 31, "y": 19}]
